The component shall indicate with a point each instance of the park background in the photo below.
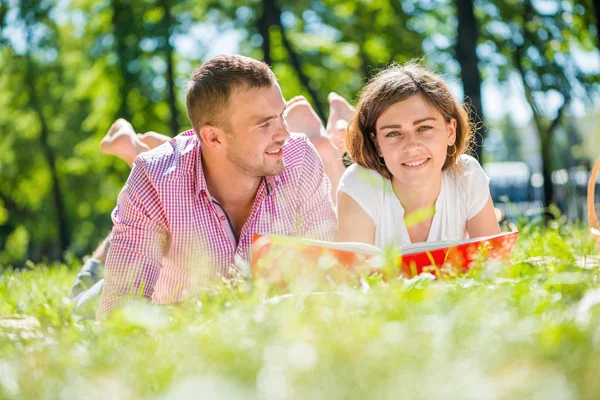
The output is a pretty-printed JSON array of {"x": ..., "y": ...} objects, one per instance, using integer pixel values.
[
  {"x": 525, "y": 329},
  {"x": 529, "y": 68}
]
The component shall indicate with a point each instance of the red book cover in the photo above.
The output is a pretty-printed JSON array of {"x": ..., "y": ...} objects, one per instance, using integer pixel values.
[
  {"x": 460, "y": 255},
  {"x": 271, "y": 253}
]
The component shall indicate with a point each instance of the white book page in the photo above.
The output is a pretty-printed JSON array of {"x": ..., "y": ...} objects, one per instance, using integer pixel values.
[
  {"x": 368, "y": 249},
  {"x": 355, "y": 247}
]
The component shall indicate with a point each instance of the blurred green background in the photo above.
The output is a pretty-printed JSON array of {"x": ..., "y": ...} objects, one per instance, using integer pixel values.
[{"x": 69, "y": 68}]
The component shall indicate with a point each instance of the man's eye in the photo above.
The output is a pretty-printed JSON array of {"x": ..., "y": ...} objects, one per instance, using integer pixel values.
[
  {"x": 265, "y": 125},
  {"x": 424, "y": 128}
]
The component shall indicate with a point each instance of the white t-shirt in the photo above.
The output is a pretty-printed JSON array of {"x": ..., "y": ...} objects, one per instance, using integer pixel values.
[{"x": 465, "y": 191}]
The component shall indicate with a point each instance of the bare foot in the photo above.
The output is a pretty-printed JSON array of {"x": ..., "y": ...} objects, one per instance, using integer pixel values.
[
  {"x": 340, "y": 112},
  {"x": 301, "y": 118},
  {"x": 153, "y": 139},
  {"x": 121, "y": 141}
]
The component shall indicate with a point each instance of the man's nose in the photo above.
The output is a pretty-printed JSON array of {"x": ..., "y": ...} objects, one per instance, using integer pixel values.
[{"x": 283, "y": 133}]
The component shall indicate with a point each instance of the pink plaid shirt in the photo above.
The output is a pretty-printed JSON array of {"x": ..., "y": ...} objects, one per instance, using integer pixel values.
[{"x": 171, "y": 237}]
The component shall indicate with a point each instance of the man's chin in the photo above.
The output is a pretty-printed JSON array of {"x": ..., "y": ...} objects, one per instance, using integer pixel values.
[{"x": 274, "y": 170}]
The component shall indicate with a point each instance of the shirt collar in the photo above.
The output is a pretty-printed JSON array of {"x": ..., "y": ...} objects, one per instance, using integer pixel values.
[{"x": 271, "y": 182}]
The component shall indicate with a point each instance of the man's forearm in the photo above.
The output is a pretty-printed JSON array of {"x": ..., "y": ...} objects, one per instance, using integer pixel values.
[
  {"x": 112, "y": 302},
  {"x": 129, "y": 274}
]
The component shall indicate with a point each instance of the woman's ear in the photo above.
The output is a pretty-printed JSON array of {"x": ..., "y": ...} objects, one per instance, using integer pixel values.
[
  {"x": 374, "y": 139},
  {"x": 451, "y": 127}
]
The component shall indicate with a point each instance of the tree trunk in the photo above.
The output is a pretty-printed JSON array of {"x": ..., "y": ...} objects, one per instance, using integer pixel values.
[
  {"x": 597, "y": 15},
  {"x": 466, "y": 54},
  {"x": 544, "y": 134},
  {"x": 546, "y": 151},
  {"x": 294, "y": 58},
  {"x": 57, "y": 196},
  {"x": 264, "y": 23},
  {"x": 172, "y": 99},
  {"x": 545, "y": 131},
  {"x": 9, "y": 204},
  {"x": 122, "y": 19},
  {"x": 171, "y": 89},
  {"x": 365, "y": 63}
]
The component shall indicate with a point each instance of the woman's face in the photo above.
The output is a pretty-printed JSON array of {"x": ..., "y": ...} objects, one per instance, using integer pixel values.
[{"x": 413, "y": 139}]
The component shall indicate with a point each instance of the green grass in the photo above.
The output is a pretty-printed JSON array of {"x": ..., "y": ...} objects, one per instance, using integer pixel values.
[{"x": 526, "y": 330}]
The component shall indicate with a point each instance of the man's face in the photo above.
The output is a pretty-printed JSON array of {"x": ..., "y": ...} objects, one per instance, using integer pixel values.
[{"x": 256, "y": 131}]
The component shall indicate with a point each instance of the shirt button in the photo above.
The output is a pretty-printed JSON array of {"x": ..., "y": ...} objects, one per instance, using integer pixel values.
[{"x": 222, "y": 218}]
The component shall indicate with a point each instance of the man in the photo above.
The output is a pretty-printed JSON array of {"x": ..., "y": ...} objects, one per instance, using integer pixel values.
[{"x": 188, "y": 211}]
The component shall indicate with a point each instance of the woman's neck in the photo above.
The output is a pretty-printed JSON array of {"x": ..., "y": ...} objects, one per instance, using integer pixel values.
[{"x": 415, "y": 197}]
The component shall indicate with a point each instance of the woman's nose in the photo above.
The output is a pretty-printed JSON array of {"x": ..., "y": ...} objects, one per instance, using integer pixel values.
[{"x": 410, "y": 143}]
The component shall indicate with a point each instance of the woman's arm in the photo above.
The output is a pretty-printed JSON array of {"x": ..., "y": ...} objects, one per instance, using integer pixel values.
[
  {"x": 484, "y": 223},
  {"x": 354, "y": 224}
]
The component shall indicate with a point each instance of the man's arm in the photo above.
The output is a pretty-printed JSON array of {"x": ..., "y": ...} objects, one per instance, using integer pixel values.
[
  {"x": 139, "y": 240},
  {"x": 316, "y": 217}
]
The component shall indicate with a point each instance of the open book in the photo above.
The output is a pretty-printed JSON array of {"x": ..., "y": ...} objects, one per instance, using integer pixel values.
[{"x": 271, "y": 251}]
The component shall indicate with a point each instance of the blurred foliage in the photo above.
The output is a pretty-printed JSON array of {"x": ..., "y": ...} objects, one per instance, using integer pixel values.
[
  {"x": 70, "y": 68},
  {"x": 537, "y": 41}
]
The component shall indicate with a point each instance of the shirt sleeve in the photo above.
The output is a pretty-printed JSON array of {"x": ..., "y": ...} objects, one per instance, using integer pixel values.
[
  {"x": 138, "y": 242},
  {"x": 363, "y": 186},
  {"x": 315, "y": 218},
  {"x": 478, "y": 186}
]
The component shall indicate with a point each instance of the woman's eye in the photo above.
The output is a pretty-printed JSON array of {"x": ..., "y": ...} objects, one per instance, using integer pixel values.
[
  {"x": 393, "y": 134},
  {"x": 424, "y": 128}
]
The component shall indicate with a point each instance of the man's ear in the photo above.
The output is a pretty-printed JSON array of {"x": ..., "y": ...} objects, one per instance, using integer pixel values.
[
  {"x": 211, "y": 136},
  {"x": 451, "y": 131}
]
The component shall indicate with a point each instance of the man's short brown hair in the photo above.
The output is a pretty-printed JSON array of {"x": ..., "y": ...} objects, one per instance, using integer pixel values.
[
  {"x": 211, "y": 84},
  {"x": 392, "y": 85}
]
